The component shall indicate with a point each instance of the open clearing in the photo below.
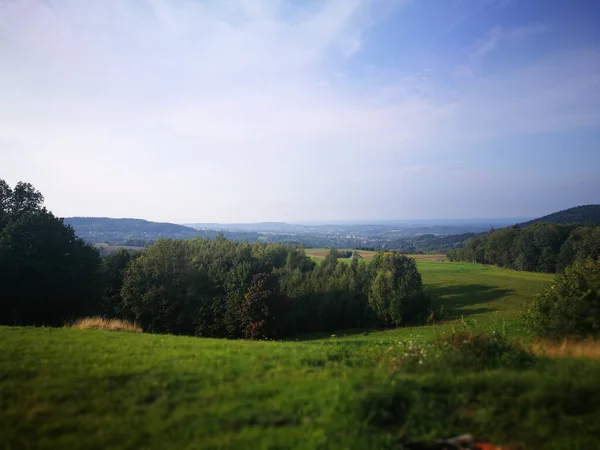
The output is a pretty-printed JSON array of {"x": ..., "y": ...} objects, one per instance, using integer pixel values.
[
  {"x": 114, "y": 248},
  {"x": 320, "y": 253},
  {"x": 69, "y": 388}
]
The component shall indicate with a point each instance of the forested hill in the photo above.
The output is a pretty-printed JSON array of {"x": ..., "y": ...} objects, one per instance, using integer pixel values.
[
  {"x": 140, "y": 232},
  {"x": 586, "y": 214},
  {"x": 107, "y": 224}
]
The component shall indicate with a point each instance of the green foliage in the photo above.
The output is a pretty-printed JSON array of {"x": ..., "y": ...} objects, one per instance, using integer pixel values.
[
  {"x": 541, "y": 247},
  {"x": 210, "y": 288},
  {"x": 464, "y": 349},
  {"x": 583, "y": 243},
  {"x": 397, "y": 295},
  {"x": 161, "y": 288},
  {"x": 49, "y": 276},
  {"x": 571, "y": 306},
  {"x": 112, "y": 274}
]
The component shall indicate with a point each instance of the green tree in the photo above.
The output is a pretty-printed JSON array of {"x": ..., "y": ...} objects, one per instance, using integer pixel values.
[
  {"x": 49, "y": 276},
  {"x": 583, "y": 243},
  {"x": 161, "y": 288},
  {"x": 571, "y": 306},
  {"x": 112, "y": 274},
  {"x": 262, "y": 308},
  {"x": 397, "y": 295}
]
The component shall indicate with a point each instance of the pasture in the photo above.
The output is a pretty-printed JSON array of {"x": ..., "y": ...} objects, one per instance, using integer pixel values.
[
  {"x": 368, "y": 255},
  {"x": 103, "y": 246},
  {"x": 321, "y": 253},
  {"x": 73, "y": 388}
]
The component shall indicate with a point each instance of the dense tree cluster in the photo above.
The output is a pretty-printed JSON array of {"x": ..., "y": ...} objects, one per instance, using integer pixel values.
[
  {"x": 48, "y": 275},
  {"x": 542, "y": 247},
  {"x": 224, "y": 288},
  {"x": 571, "y": 306},
  {"x": 204, "y": 287}
]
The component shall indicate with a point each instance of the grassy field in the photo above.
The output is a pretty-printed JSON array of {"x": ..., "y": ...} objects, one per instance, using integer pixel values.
[
  {"x": 367, "y": 255},
  {"x": 484, "y": 296},
  {"x": 113, "y": 248},
  {"x": 481, "y": 296},
  {"x": 71, "y": 388}
]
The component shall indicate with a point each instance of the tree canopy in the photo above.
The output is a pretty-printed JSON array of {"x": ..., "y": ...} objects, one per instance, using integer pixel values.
[
  {"x": 541, "y": 247},
  {"x": 203, "y": 287},
  {"x": 48, "y": 275}
]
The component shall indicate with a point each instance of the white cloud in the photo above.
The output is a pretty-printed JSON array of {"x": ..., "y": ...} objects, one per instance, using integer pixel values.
[{"x": 239, "y": 111}]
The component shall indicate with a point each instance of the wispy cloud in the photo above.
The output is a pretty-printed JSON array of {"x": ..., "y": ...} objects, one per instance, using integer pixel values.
[
  {"x": 247, "y": 110},
  {"x": 497, "y": 35}
]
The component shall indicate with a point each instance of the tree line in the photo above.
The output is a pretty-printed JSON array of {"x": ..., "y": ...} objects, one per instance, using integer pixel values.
[
  {"x": 541, "y": 247},
  {"x": 203, "y": 287}
]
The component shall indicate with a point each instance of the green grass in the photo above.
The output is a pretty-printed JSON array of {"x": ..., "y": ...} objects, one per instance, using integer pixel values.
[
  {"x": 318, "y": 254},
  {"x": 483, "y": 296},
  {"x": 69, "y": 388},
  {"x": 480, "y": 297},
  {"x": 114, "y": 248}
]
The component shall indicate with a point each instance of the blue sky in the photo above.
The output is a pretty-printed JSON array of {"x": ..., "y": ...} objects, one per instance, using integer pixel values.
[{"x": 259, "y": 110}]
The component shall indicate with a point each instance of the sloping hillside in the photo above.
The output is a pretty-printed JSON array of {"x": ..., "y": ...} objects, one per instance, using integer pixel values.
[
  {"x": 107, "y": 224},
  {"x": 579, "y": 215},
  {"x": 120, "y": 231},
  {"x": 141, "y": 232}
]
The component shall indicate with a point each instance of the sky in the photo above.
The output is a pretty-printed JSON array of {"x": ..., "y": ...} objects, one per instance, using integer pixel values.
[{"x": 270, "y": 110}]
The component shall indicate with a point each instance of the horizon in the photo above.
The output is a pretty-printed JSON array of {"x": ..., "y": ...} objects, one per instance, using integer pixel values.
[
  {"x": 334, "y": 111},
  {"x": 440, "y": 221}
]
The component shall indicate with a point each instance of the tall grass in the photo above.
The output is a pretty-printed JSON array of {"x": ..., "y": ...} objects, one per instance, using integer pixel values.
[
  {"x": 589, "y": 348},
  {"x": 100, "y": 323}
]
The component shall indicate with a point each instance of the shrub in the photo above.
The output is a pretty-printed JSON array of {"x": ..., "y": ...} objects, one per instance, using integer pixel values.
[
  {"x": 571, "y": 306},
  {"x": 100, "y": 323},
  {"x": 481, "y": 350}
]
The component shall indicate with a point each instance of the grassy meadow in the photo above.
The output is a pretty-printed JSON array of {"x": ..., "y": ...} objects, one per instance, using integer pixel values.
[
  {"x": 113, "y": 248},
  {"x": 82, "y": 388},
  {"x": 367, "y": 255}
]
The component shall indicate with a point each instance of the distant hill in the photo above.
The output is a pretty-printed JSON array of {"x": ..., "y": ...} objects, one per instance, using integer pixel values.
[
  {"x": 88, "y": 224},
  {"x": 140, "y": 232},
  {"x": 577, "y": 215},
  {"x": 259, "y": 226}
]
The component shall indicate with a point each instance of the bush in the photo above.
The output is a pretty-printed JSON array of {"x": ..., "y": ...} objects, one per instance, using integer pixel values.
[
  {"x": 466, "y": 349},
  {"x": 571, "y": 306}
]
